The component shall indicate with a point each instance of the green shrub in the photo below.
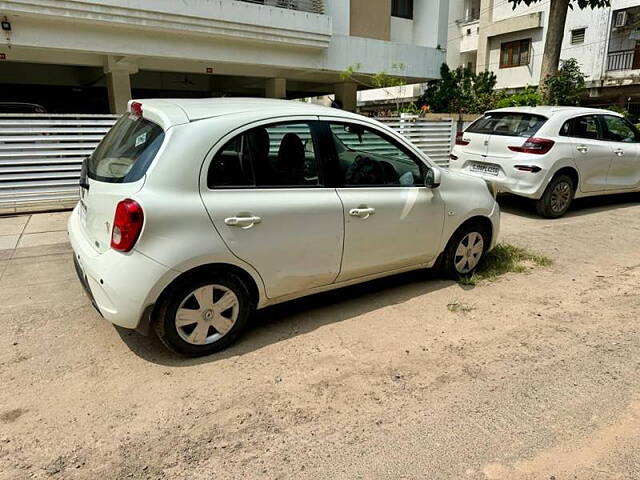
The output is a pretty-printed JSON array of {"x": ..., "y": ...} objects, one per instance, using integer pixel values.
[{"x": 529, "y": 97}]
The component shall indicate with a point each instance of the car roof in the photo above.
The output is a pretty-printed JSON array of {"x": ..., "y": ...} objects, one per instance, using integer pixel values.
[
  {"x": 193, "y": 109},
  {"x": 550, "y": 110}
]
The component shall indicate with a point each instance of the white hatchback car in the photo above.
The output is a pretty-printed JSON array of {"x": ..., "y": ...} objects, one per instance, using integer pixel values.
[
  {"x": 551, "y": 154},
  {"x": 193, "y": 213}
]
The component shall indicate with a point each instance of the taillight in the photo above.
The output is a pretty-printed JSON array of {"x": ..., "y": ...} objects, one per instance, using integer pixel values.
[
  {"x": 136, "y": 109},
  {"x": 460, "y": 140},
  {"x": 539, "y": 146},
  {"x": 127, "y": 225}
]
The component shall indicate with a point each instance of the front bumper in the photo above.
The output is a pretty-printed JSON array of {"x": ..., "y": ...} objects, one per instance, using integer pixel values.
[
  {"x": 120, "y": 286},
  {"x": 494, "y": 217}
]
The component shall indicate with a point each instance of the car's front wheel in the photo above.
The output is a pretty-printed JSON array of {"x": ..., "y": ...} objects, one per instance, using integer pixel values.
[
  {"x": 557, "y": 197},
  {"x": 204, "y": 313},
  {"x": 465, "y": 250}
]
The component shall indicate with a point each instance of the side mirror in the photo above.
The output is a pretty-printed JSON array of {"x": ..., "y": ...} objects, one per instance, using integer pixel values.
[{"x": 432, "y": 178}]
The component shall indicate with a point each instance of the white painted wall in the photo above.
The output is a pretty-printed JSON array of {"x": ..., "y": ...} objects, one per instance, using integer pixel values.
[
  {"x": 456, "y": 12},
  {"x": 401, "y": 30},
  {"x": 340, "y": 14}
]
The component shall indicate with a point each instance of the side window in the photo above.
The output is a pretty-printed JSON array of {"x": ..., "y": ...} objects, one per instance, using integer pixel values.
[
  {"x": 619, "y": 130},
  {"x": 367, "y": 157},
  {"x": 278, "y": 155},
  {"x": 581, "y": 127}
]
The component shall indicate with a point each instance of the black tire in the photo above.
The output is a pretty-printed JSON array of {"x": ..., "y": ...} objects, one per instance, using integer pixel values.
[
  {"x": 165, "y": 323},
  {"x": 449, "y": 258},
  {"x": 557, "y": 197}
]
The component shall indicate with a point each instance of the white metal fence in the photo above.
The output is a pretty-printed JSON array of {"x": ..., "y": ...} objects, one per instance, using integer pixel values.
[{"x": 41, "y": 154}]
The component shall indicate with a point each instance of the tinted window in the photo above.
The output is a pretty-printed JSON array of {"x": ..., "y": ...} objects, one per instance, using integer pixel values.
[
  {"x": 508, "y": 123},
  {"x": 125, "y": 153},
  {"x": 619, "y": 130},
  {"x": 366, "y": 157},
  {"x": 276, "y": 155},
  {"x": 581, "y": 127}
]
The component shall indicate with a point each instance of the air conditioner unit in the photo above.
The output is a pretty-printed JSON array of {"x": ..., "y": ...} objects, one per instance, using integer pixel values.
[{"x": 620, "y": 19}]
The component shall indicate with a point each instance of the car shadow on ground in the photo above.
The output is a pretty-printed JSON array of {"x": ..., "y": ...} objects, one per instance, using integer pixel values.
[
  {"x": 525, "y": 207},
  {"x": 298, "y": 317}
]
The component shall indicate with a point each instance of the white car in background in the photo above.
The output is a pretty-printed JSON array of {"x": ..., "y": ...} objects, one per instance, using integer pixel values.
[
  {"x": 194, "y": 213},
  {"x": 551, "y": 154}
]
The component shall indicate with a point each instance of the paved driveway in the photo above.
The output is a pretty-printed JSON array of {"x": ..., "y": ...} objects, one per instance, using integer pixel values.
[{"x": 539, "y": 380}]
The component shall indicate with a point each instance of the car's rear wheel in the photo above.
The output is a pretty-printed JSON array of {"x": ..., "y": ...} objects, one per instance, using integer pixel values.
[
  {"x": 465, "y": 250},
  {"x": 203, "y": 314},
  {"x": 557, "y": 197}
]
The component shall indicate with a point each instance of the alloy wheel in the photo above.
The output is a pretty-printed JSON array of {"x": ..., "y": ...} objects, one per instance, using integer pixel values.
[{"x": 560, "y": 197}]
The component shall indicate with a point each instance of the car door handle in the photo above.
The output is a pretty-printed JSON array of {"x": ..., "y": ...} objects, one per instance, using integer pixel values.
[
  {"x": 243, "y": 222},
  {"x": 619, "y": 152},
  {"x": 365, "y": 212},
  {"x": 582, "y": 148}
]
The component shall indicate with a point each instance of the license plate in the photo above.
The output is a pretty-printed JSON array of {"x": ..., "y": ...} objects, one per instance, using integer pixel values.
[{"x": 485, "y": 168}]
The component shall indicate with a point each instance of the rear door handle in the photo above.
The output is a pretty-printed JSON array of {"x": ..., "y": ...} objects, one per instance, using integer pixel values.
[
  {"x": 364, "y": 212},
  {"x": 582, "y": 148},
  {"x": 243, "y": 222},
  {"x": 619, "y": 152}
]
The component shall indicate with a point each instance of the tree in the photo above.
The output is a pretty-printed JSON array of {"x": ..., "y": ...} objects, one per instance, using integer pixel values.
[
  {"x": 460, "y": 91},
  {"x": 555, "y": 29},
  {"x": 382, "y": 79},
  {"x": 566, "y": 86}
]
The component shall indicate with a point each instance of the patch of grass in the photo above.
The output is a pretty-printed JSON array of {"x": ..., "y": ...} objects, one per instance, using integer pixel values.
[
  {"x": 505, "y": 258},
  {"x": 459, "y": 307}
]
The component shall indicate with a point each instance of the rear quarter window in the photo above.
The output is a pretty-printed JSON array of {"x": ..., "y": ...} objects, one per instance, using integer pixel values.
[
  {"x": 125, "y": 153},
  {"x": 513, "y": 124}
]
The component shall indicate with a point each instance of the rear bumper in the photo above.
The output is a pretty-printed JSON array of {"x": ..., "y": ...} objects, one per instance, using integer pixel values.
[
  {"x": 120, "y": 286},
  {"x": 509, "y": 180}
]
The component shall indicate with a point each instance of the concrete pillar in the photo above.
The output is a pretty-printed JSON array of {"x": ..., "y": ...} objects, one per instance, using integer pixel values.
[
  {"x": 275, "y": 88},
  {"x": 118, "y": 71},
  {"x": 346, "y": 95},
  {"x": 119, "y": 88}
]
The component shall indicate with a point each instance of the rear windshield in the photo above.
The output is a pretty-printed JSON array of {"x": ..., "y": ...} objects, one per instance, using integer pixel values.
[
  {"x": 126, "y": 151},
  {"x": 508, "y": 123}
]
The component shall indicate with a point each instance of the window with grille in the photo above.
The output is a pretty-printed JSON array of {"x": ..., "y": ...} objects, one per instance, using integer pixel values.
[
  {"x": 577, "y": 36},
  {"x": 515, "y": 54},
  {"x": 402, "y": 8}
]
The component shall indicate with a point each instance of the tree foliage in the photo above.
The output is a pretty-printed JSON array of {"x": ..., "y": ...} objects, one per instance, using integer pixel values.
[
  {"x": 529, "y": 97},
  {"x": 566, "y": 86},
  {"x": 582, "y": 4},
  {"x": 460, "y": 91},
  {"x": 377, "y": 80}
]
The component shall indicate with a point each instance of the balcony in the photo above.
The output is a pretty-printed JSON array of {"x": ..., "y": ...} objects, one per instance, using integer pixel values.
[
  {"x": 623, "y": 60},
  {"x": 470, "y": 15},
  {"x": 310, "y": 6}
]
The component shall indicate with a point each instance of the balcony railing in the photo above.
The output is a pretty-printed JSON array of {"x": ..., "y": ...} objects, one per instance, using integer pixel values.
[
  {"x": 470, "y": 16},
  {"x": 622, "y": 60},
  {"x": 311, "y": 6}
]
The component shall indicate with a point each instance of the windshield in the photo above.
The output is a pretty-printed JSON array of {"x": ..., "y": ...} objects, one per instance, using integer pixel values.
[
  {"x": 126, "y": 152},
  {"x": 508, "y": 123}
]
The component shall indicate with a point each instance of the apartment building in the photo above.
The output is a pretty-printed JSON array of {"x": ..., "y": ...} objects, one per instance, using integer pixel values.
[
  {"x": 93, "y": 55},
  {"x": 491, "y": 35}
]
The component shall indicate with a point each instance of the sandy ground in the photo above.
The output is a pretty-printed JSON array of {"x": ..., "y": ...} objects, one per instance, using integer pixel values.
[{"x": 540, "y": 380}]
